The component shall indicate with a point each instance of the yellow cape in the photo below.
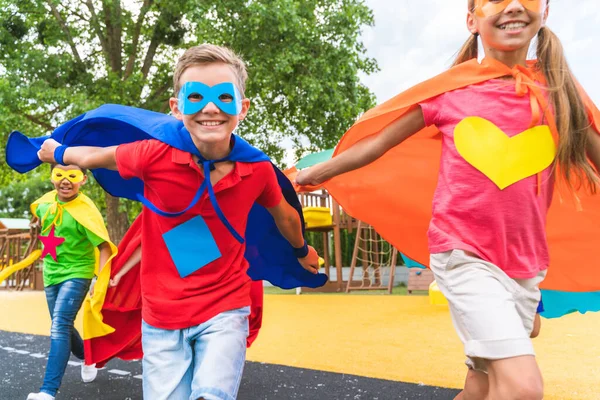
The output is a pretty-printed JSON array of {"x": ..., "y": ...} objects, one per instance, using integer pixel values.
[
  {"x": 86, "y": 213},
  {"x": 26, "y": 262}
]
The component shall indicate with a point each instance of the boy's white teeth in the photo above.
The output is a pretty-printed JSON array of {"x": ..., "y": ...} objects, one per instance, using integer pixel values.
[
  {"x": 211, "y": 123},
  {"x": 513, "y": 25}
]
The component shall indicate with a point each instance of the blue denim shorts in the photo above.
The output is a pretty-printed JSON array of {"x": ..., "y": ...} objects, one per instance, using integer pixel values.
[{"x": 205, "y": 360}]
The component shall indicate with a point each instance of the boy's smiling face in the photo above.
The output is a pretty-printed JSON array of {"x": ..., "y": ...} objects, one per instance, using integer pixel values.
[
  {"x": 209, "y": 126},
  {"x": 67, "y": 179}
]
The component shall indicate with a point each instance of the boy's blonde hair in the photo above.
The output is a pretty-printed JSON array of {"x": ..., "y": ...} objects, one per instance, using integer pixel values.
[
  {"x": 571, "y": 117},
  {"x": 207, "y": 54}
]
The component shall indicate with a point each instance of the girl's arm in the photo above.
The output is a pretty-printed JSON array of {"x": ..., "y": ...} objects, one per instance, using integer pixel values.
[
  {"x": 135, "y": 258},
  {"x": 366, "y": 151},
  {"x": 593, "y": 148}
]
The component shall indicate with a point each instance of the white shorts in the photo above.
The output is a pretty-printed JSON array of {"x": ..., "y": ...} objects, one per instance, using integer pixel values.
[{"x": 492, "y": 313}]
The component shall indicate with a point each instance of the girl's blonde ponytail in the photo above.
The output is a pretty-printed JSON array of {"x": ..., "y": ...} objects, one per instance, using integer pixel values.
[
  {"x": 571, "y": 117},
  {"x": 470, "y": 49}
]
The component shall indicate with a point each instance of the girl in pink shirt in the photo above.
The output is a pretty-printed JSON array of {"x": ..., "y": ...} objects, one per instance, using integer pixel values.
[{"x": 487, "y": 235}]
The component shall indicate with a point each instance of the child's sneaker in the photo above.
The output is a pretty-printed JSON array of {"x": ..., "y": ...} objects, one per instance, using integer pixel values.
[
  {"x": 88, "y": 372},
  {"x": 40, "y": 396}
]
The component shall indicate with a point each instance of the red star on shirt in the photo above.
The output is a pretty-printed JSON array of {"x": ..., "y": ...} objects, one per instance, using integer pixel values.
[{"x": 50, "y": 243}]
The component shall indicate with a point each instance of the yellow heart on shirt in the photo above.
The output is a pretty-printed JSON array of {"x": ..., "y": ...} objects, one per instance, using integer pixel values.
[{"x": 505, "y": 160}]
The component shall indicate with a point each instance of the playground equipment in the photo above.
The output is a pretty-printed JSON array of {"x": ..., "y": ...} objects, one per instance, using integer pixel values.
[
  {"x": 419, "y": 279},
  {"x": 377, "y": 258},
  {"x": 374, "y": 255},
  {"x": 317, "y": 217},
  {"x": 323, "y": 215},
  {"x": 314, "y": 158},
  {"x": 435, "y": 295},
  {"x": 18, "y": 259}
]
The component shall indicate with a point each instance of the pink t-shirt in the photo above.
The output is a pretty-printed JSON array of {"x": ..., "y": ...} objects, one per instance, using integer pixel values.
[{"x": 505, "y": 227}]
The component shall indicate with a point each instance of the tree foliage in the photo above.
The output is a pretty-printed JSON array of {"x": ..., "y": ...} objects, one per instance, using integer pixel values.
[
  {"x": 61, "y": 59},
  {"x": 16, "y": 197}
]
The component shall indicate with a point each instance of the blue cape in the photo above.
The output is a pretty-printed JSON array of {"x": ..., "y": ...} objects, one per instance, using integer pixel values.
[{"x": 269, "y": 254}]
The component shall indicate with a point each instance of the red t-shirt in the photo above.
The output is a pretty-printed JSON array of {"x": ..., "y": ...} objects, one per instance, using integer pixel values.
[{"x": 171, "y": 179}]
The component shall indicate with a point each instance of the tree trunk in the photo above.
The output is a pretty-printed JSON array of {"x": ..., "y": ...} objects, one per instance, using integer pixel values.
[{"x": 118, "y": 222}]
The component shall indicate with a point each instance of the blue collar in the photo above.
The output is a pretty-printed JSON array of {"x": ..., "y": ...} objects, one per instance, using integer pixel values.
[{"x": 240, "y": 151}]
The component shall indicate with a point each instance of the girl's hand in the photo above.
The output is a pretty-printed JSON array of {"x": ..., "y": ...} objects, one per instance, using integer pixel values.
[{"x": 308, "y": 177}]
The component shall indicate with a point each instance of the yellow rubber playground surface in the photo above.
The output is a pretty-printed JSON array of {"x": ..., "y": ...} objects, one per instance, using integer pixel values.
[{"x": 400, "y": 338}]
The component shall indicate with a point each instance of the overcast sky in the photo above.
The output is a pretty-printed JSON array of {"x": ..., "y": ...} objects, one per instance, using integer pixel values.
[{"x": 413, "y": 40}]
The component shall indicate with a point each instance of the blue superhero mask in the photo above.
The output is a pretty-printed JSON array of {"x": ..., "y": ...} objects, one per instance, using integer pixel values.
[{"x": 194, "y": 96}]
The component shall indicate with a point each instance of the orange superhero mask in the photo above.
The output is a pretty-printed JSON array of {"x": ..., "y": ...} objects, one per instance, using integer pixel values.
[{"x": 487, "y": 8}]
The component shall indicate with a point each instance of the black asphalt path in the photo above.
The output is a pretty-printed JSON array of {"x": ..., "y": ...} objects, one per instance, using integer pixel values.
[{"x": 23, "y": 359}]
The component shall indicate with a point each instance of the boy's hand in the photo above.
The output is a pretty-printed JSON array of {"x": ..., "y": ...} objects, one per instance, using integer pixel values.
[
  {"x": 46, "y": 153},
  {"x": 92, "y": 284},
  {"x": 115, "y": 281},
  {"x": 311, "y": 261}
]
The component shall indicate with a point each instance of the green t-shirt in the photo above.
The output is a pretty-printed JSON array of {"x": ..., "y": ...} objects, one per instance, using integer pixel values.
[{"x": 75, "y": 257}]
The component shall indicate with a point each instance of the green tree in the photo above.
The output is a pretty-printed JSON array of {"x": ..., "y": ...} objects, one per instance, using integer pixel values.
[
  {"x": 16, "y": 197},
  {"x": 59, "y": 59}
]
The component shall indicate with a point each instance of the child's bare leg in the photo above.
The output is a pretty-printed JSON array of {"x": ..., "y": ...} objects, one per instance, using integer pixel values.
[
  {"x": 476, "y": 386},
  {"x": 516, "y": 378}
]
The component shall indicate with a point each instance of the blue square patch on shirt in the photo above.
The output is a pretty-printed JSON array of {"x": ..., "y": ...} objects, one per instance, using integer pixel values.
[{"x": 191, "y": 246}]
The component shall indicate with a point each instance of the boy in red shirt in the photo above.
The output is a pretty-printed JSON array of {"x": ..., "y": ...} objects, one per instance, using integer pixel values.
[{"x": 193, "y": 275}]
